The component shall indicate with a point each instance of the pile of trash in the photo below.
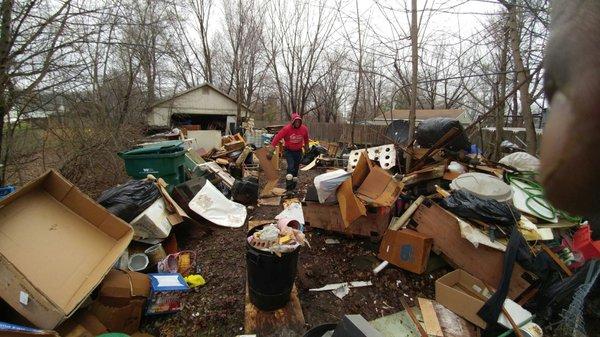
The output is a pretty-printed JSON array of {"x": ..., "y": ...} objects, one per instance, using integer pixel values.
[
  {"x": 513, "y": 251},
  {"x": 282, "y": 237},
  {"x": 75, "y": 267}
]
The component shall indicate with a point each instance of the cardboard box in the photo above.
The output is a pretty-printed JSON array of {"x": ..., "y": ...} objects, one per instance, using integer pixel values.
[
  {"x": 82, "y": 324},
  {"x": 456, "y": 291},
  {"x": 406, "y": 249},
  {"x": 167, "y": 292},
  {"x": 121, "y": 300},
  {"x": 56, "y": 245},
  {"x": 374, "y": 186},
  {"x": 328, "y": 217},
  {"x": 451, "y": 291},
  {"x": 153, "y": 222}
]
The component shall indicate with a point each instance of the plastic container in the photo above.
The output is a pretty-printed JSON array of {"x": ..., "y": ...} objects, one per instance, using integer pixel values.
[
  {"x": 6, "y": 190},
  {"x": 582, "y": 242},
  {"x": 138, "y": 262},
  {"x": 163, "y": 160},
  {"x": 156, "y": 253},
  {"x": 270, "y": 278}
]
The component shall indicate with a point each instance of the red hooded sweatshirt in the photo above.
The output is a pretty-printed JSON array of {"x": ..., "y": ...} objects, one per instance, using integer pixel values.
[{"x": 294, "y": 138}]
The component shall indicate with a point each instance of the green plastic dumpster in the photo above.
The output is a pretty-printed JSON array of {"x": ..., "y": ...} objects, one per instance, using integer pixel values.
[{"x": 162, "y": 160}]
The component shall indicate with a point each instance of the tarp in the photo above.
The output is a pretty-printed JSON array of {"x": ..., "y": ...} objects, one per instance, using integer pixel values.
[{"x": 212, "y": 205}]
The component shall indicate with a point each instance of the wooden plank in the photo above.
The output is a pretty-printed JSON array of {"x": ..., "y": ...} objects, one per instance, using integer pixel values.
[
  {"x": 274, "y": 323},
  {"x": 413, "y": 318},
  {"x": 266, "y": 164},
  {"x": 432, "y": 325},
  {"x": 557, "y": 260},
  {"x": 483, "y": 262},
  {"x": 270, "y": 201}
]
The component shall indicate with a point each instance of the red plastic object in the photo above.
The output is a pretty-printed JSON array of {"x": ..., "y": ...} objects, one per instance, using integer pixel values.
[{"x": 582, "y": 242}]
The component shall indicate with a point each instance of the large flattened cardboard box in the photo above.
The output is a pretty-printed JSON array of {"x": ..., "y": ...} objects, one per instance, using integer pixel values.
[{"x": 56, "y": 245}]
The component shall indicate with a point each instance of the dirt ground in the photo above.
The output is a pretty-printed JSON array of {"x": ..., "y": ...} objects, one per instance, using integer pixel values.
[{"x": 217, "y": 309}]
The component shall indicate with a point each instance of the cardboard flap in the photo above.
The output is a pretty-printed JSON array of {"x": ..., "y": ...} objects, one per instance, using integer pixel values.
[
  {"x": 362, "y": 169},
  {"x": 375, "y": 183},
  {"x": 116, "y": 284},
  {"x": 351, "y": 207},
  {"x": 125, "y": 284},
  {"x": 140, "y": 284}
]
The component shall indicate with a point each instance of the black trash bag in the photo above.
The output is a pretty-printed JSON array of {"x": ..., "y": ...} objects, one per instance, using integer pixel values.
[
  {"x": 469, "y": 206},
  {"x": 130, "y": 199},
  {"x": 431, "y": 130},
  {"x": 245, "y": 191},
  {"x": 313, "y": 153}
]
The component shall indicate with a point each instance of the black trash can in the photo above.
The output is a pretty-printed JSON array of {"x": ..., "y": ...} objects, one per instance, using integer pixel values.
[{"x": 270, "y": 277}]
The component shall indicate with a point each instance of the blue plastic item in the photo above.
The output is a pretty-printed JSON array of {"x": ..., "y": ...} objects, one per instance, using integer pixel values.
[{"x": 6, "y": 190}]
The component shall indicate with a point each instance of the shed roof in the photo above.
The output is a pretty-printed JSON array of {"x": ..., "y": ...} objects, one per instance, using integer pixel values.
[
  {"x": 421, "y": 114},
  {"x": 197, "y": 88}
]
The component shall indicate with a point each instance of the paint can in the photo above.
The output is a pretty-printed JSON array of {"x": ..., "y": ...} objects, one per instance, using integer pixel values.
[
  {"x": 156, "y": 253},
  {"x": 138, "y": 262}
]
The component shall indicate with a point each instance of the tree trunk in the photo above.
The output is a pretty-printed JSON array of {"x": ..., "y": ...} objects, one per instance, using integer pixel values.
[
  {"x": 522, "y": 77},
  {"x": 413, "y": 97},
  {"x": 500, "y": 111},
  {"x": 6, "y": 13}
]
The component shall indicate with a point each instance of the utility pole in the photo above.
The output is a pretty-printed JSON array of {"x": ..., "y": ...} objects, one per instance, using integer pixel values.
[{"x": 414, "y": 34}]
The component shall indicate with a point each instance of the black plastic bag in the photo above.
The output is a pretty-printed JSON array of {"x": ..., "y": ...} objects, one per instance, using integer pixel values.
[
  {"x": 313, "y": 153},
  {"x": 130, "y": 199},
  {"x": 469, "y": 206},
  {"x": 431, "y": 130}
]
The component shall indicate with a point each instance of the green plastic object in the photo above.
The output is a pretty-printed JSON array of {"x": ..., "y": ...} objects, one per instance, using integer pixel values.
[{"x": 162, "y": 160}]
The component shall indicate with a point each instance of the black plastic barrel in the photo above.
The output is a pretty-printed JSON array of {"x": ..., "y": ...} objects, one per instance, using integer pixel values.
[{"x": 270, "y": 277}]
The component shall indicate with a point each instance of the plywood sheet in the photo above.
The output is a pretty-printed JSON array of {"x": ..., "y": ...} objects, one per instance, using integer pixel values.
[
  {"x": 271, "y": 171},
  {"x": 483, "y": 262}
]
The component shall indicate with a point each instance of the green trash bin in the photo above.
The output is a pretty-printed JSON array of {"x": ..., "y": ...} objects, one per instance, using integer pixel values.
[{"x": 162, "y": 160}]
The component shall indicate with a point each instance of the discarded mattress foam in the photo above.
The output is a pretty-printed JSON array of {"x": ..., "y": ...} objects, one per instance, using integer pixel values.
[
  {"x": 483, "y": 185},
  {"x": 327, "y": 183},
  {"x": 212, "y": 205}
]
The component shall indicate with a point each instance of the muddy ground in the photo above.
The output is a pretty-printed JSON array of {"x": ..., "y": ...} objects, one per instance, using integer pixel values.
[{"x": 217, "y": 309}]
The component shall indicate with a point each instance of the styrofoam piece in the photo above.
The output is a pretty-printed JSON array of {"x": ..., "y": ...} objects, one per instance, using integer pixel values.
[
  {"x": 212, "y": 205},
  {"x": 153, "y": 222},
  {"x": 385, "y": 155},
  {"x": 327, "y": 184}
]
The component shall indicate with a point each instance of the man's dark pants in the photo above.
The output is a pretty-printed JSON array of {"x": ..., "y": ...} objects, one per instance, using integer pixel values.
[{"x": 293, "y": 159}]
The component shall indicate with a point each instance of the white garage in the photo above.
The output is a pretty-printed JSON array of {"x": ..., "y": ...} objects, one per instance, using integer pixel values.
[{"x": 204, "y": 105}]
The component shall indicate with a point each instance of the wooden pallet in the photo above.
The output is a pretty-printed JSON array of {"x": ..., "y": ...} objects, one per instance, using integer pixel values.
[{"x": 274, "y": 323}]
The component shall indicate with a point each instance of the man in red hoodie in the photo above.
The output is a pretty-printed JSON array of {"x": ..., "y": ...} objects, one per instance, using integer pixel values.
[{"x": 295, "y": 136}]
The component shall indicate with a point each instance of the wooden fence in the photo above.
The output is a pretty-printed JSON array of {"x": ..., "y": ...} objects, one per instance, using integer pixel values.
[{"x": 333, "y": 132}]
